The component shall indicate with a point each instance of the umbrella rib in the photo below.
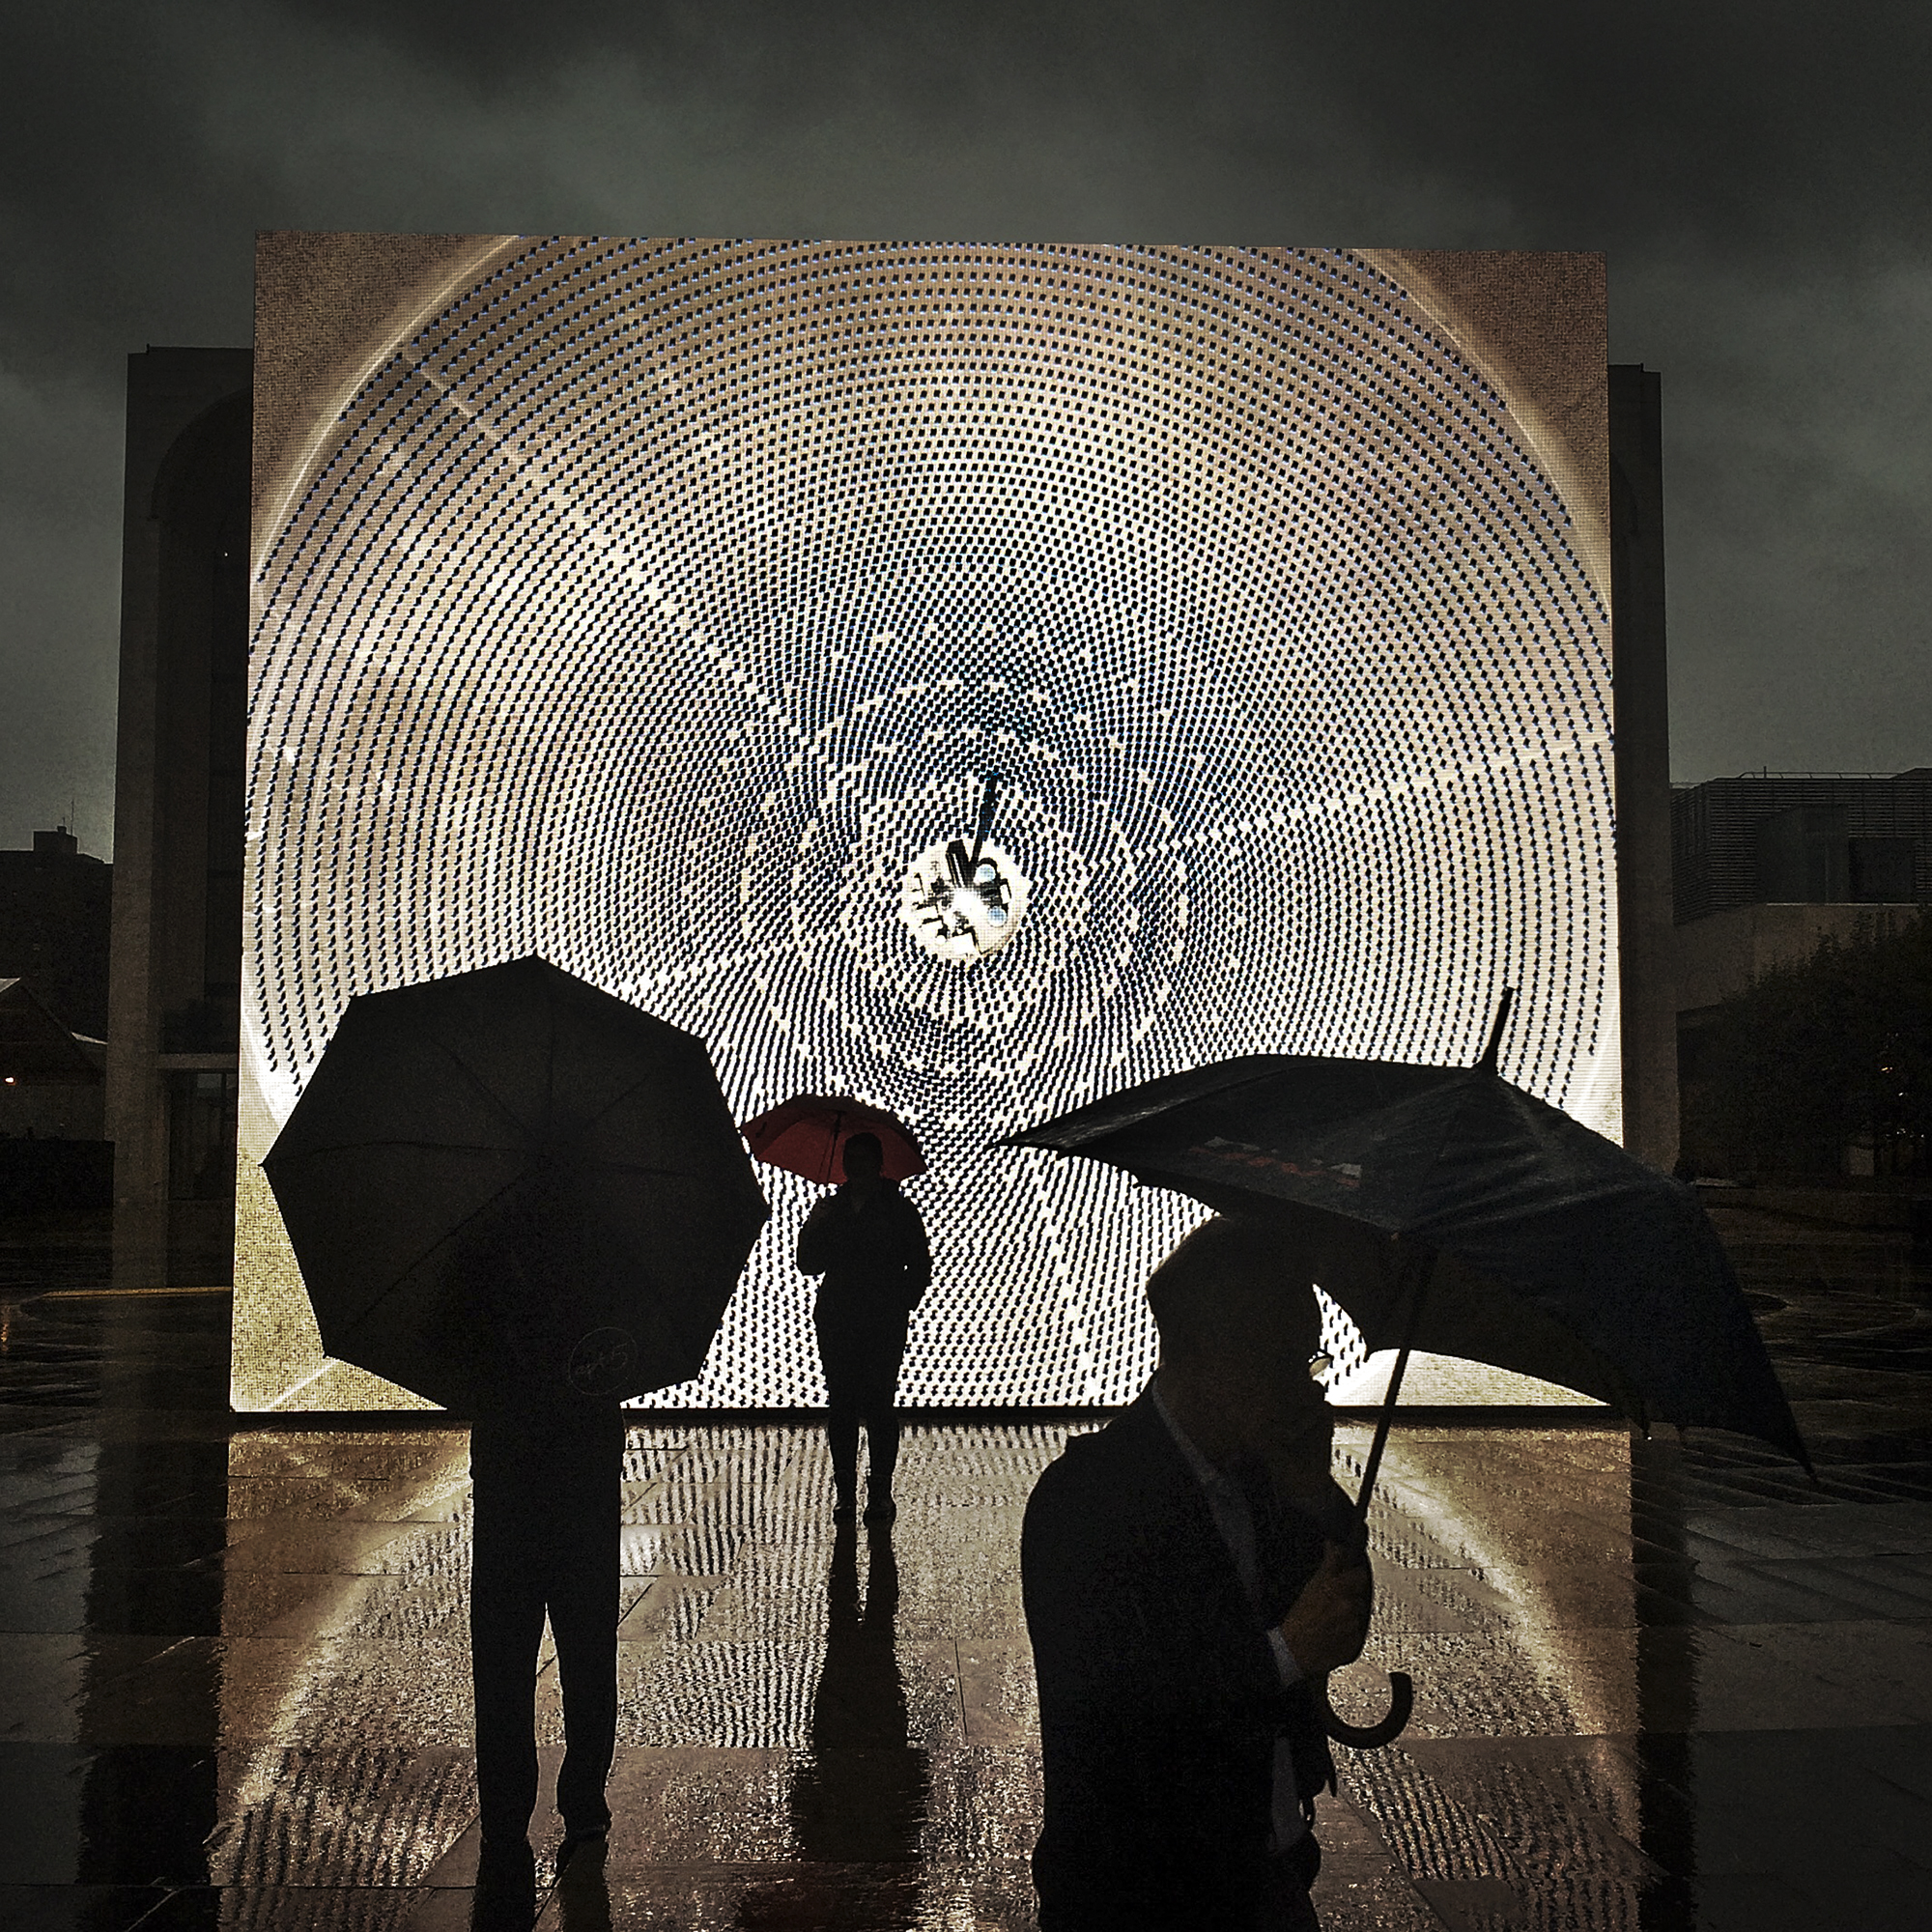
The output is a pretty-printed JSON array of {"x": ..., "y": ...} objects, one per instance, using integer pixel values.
[
  {"x": 475, "y": 1080},
  {"x": 619, "y": 1099},
  {"x": 1218, "y": 1092},
  {"x": 364, "y": 1147},
  {"x": 443, "y": 1240},
  {"x": 550, "y": 1102},
  {"x": 1455, "y": 1114}
]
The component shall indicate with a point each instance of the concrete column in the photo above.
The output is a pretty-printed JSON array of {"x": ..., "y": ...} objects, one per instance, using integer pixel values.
[
  {"x": 1642, "y": 696},
  {"x": 169, "y": 391}
]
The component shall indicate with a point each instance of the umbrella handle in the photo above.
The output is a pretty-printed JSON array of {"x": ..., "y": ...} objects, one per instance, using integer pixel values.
[
  {"x": 1402, "y": 1687},
  {"x": 1369, "y": 1737}
]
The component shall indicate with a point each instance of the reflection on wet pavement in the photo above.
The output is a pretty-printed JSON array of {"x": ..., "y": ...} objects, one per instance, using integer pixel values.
[{"x": 1658, "y": 1685}]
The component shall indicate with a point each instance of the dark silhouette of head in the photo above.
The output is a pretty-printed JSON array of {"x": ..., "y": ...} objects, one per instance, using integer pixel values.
[
  {"x": 865, "y": 1156},
  {"x": 1234, "y": 1304},
  {"x": 1234, "y": 1285}
]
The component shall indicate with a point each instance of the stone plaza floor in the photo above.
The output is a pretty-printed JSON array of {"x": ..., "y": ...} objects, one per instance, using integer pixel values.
[{"x": 1659, "y": 1684}]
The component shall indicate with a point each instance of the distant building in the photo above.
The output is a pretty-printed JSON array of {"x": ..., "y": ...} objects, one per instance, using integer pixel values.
[
  {"x": 50, "y": 1077},
  {"x": 52, "y": 1156},
  {"x": 1770, "y": 864},
  {"x": 55, "y": 925},
  {"x": 1801, "y": 838},
  {"x": 1766, "y": 864}
]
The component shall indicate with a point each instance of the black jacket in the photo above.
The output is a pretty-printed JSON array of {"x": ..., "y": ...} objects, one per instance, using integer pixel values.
[
  {"x": 875, "y": 1260},
  {"x": 545, "y": 1473},
  {"x": 1159, "y": 1697}
]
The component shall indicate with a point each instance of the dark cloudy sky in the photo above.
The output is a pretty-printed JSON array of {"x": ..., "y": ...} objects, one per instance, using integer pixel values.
[{"x": 1757, "y": 172}]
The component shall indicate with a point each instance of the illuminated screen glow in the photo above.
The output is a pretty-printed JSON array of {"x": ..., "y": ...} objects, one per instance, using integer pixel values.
[{"x": 660, "y": 606}]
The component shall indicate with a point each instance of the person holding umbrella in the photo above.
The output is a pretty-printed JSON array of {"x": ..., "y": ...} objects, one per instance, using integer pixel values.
[
  {"x": 1190, "y": 1574},
  {"x": 1444, "y": 1208},
  {"x": 525, "y": 1200},
  {"x": 868, "y": 1243}
]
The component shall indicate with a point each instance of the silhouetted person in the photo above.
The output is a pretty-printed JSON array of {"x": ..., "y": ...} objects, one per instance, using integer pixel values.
[
  {"x": 1187, "y": 1571},
  {"x": 546, "y": 1465},
  {"x": 870, "y": 1244}
]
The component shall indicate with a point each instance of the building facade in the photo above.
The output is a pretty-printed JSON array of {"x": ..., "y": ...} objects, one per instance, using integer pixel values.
[
  {"x": 1801, "y": 838},
  {"x": 1328, "y": 329},
  {"x": 1767, "y": 866},
  {"x": 175, "y": 982},
  {"x": 54, "y": 916},
  {"x": 1768, "y": 863},
  {"x": 52, "y": 1158},
  {"x": 1645, "y": 955}
]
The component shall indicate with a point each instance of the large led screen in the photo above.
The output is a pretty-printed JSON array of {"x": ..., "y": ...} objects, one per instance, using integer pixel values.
[{"x": 686, "y": 611}]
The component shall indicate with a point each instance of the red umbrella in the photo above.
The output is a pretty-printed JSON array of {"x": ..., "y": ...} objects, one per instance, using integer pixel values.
[{"x": 807, "y": 1134}]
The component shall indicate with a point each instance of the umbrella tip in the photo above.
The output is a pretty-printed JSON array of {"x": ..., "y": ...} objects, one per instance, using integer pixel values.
[{"x": 1487, "y": 1063}]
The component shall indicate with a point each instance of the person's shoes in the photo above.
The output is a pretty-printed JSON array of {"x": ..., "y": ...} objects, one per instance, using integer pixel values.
[
  {"x": 577, "y": 1837},
  {"x": 505, "y": 1899},
  {"x": 881, "y": 1513},
  {"x": 845, "y": 1510},
  {"x": 505, "y": 1863}
]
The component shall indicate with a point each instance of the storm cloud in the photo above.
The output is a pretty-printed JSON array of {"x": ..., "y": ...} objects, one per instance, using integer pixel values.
[{"x": 1757, "y": 175}]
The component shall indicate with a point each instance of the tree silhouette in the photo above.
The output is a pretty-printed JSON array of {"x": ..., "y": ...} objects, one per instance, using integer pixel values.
[{"x": 1819, "y": 1058}]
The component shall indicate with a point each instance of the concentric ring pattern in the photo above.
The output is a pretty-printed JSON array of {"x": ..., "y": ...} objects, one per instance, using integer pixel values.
[{"x": 658, "y": 604}]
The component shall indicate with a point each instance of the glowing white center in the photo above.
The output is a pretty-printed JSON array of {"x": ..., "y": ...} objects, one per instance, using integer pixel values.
[{"x": 961, "y": 909}]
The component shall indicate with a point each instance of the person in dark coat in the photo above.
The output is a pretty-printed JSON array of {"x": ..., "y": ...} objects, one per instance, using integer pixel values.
[
  {"x": 546, "y": 1465},
  {"x": 869, "y": 1244},
  {"x": 1190, "y": 1572}
]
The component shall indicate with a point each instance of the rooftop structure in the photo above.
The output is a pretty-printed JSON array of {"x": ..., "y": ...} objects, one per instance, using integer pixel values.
[{"x": 1801, "y": 838}]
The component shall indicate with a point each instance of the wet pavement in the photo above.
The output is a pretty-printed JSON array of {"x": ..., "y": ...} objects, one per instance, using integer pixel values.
[{"x": 1659, "y": 1685}]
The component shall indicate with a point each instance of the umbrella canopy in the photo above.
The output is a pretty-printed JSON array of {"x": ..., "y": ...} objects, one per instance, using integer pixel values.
[
  {"x": 807, "y": 1134},
  {"x": 1559, "y": 1255},
  {"x": 508, "y": 1178}
]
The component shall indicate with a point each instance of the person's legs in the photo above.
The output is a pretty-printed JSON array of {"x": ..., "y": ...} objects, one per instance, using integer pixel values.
[
  {"x": 506, "y": 1613},
  {"x": 885, "y": 1351},
  {"x": 580, "y": 1582},
  {"x": 842, "y": 1438},
  {"x": 882, "y": 1439},
  {"x": 844, "y": 1378},
  {"x": 583, "y": 1620}
]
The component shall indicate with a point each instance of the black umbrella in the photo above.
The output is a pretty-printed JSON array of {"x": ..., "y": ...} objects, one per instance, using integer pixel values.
[
  {"x": 1562, "y": 1255},
  {"x": 1524, "y": 1239},
  {"x": 510, "y": 1175}
]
